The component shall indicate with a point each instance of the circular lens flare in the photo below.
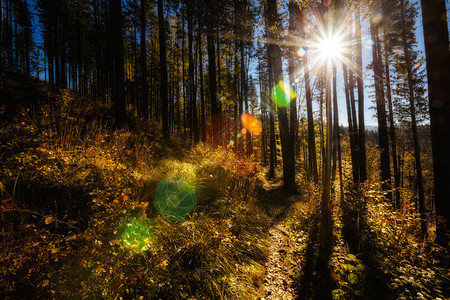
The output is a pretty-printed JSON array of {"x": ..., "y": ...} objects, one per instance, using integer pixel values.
[
  {"x": 282, "y": 94},
  {"x": 136, "y": 234},
  {"x": 251, "y": 124},
  {"x": 301, "y": 52},
  {"x": 174, "y": 198}
]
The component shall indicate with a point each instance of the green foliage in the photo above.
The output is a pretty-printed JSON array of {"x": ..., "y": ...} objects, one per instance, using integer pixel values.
[{"x": 350, "y": 273}]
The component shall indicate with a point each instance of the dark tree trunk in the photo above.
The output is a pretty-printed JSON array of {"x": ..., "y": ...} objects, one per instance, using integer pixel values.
[
  {"x": 272, "y": 109},
  {"x": 359, "y": 80},
  {"x": 202, "y": 92},
  {"x": 381, "y": 113},
  {"x": 163, "y": 67},
  {"x": 438, "y": 71},
  {"x": 192, "y": 86},
  {"x": 144, "y": 85},
  {"x": 423, "y": 219},
  {"x": 118, "y": 90},
  {"x": 393, "y": 137},
  {"x": 294, "y": 27},
  {"x": 351, "y": 130},
  {"x": 212, "y": 75},
  {"x": 312, "y": 157},
  {"x": 287, "y": 151}
]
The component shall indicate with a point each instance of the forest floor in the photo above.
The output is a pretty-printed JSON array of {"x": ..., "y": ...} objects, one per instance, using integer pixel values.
[
  {"x": 282, "y": 261},
  {"x": 78, "y": 218}
]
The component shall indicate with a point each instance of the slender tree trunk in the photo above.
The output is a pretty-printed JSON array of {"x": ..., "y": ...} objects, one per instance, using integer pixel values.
[
  {"x": 351, "y": 130},
  {"x": 381, "y": 113},
  {"x": 287, "y": 151},
  {"x": 192, "y": 88},
  {"x": 212, "y": 75},
  {"x": 163, "y": 67},
  {"x": 359, "y": 80},
  {"x": 144, "y": 85},
  {"x": 336, "y": 136},
  {"x": 272, "y": 108},
  {"x": 118, "y": 91},
  {"x": 312, "y": 157},
  {"x": 294, "y": 27},
  {"x": 325, "y": 243},
  {"x": 202, "y": 92},
  {"x": 423, "y": 219},
  {"x": 392, "y": 133}
]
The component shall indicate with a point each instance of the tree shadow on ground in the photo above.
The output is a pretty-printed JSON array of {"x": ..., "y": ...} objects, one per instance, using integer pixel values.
[
  {"x": 314, "y": 280},
  {"x": 361, "y": 241}
]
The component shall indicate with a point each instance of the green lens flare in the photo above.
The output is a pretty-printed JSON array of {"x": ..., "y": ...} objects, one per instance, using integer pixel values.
[
  {"x": 282, "y": 94},
  {"x": 174, "y": 199},
  {"x": 136, "y": 234}
]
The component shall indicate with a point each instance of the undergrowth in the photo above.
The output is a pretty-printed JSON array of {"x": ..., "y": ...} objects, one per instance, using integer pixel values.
[
  {"x": 70, "y": 186},
  {"x": 384, "y": 258}
]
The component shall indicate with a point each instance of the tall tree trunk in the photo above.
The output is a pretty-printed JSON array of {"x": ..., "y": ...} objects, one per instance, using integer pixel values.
[
  {"x": 312, "y": 157},
  {"x": 392, "y": 130},
  {"x": 202, "y": 92},
  {"x": 287, "y": 151},
  {"x": 359, "y": 80},
  {"x": 192, "y": 86},
  {"x": 118, "y": 90},
  {"x": 272, "y": 109},
  {"x": 423, "y": 219},
  {"x": 351, "y": 129},
  {"x": 336, "y": 135},
  {"x": 163, "y": 69},
  {"x": 144, "y": 85},
  {"x": 212, "y": 75},
  {"x": 294, "y": 27},
  {"x": 381, "y": 113},
  {"x": 325, "y": 243},
  {"x": 435, "y": 29}
]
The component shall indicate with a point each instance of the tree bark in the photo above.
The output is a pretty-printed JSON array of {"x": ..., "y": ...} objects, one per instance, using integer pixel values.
[
  {"x": 423, "y": 219},
  {"x": 359, "y": 80},
  {"x": 144, "y": 85},
  {"x": 163, "y": 69},
  {"x": 287, "y": 151},
  {"x": 381, "y": 113},
  {"x": 438, "y": 70},
  {"x": 118, "y": 90}
]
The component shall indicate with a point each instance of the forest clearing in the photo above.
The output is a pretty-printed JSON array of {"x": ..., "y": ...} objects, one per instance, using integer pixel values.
[{"x": 163, "y": 150}]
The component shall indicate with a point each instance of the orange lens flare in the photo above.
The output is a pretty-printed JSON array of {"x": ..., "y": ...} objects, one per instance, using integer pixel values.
[{"x": 251, "y": 124}]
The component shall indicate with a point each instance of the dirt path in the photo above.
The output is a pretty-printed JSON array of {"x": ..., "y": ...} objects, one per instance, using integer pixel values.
[{"x": 280, "y": 266}]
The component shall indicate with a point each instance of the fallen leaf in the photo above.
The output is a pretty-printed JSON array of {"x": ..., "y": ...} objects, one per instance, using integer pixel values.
[{"x": 48, "y": 220}]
